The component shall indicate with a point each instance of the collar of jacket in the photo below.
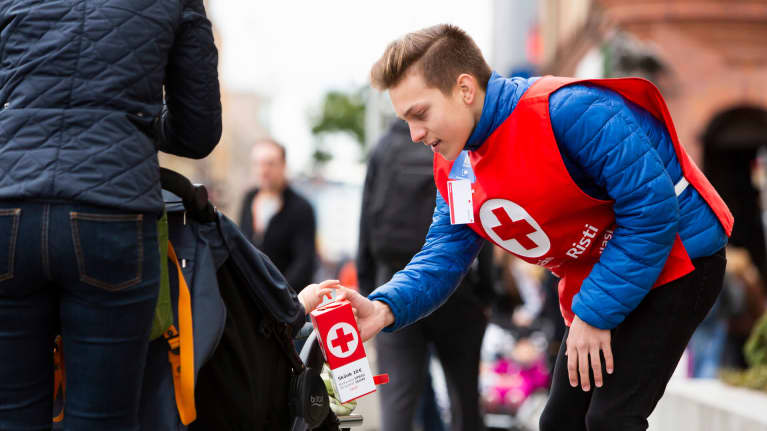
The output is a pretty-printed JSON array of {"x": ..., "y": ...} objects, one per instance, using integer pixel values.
[
  {"x": 285, "y": 194},
  {"x": 501, "y": 97}
]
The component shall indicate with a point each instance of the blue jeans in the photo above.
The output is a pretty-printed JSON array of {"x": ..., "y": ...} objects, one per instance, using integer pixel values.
[{"x": 92, "y": 275}]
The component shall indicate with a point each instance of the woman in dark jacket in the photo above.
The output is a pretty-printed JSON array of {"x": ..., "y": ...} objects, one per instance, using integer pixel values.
[{"x": 81, "y": 120}]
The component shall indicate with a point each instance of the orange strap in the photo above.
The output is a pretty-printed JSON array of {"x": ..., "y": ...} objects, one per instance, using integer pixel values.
[
  {"x": 181, "y": 352},
  {"x": 59, "y": 376}
]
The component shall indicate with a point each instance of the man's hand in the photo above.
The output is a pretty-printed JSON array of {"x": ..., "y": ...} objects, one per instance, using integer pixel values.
[
  {"x": 583, "y": 342},
  {"x": 311, "y": 296},
  {"x": 372, "y": 316}
]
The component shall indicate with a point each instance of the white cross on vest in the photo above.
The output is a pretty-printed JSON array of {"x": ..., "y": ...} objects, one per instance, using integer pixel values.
[{"x": 513, "y": 228}]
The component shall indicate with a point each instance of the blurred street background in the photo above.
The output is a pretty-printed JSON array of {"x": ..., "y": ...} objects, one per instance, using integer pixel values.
[{"x": 297, "y": 72}]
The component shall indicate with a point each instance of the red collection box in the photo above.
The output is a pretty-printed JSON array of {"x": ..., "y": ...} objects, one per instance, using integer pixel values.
[{"x": 342, "y": 347}]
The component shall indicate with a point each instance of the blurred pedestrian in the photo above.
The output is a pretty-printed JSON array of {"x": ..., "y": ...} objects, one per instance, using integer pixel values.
[
  {"x": 720, "y": 340},
  {"x": 397, "y": 203},
  {"x": 708, "y": 342},
  {"x": 81, "y": 120},
  {"x": 747, "y": 303},
  {"x": 278, "y": 220},
  {"x": 584, "y": 177}
]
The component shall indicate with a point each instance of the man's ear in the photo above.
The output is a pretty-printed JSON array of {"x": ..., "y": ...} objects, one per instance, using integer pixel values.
[{"x": 467, "y": 88}]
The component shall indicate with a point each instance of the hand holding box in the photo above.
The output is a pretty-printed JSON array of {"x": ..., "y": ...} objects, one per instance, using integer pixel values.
[{"x": 340, "y": 341}]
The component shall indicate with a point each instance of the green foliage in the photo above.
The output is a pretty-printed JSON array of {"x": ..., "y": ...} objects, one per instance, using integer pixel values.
[
  {"x": 321, "y": 156},
  {"x": 756, "y": 347},
  {"x": 340, "y": 112},
  {"x": 752, "y": 378},
  {"x": 755, "y": 351}
]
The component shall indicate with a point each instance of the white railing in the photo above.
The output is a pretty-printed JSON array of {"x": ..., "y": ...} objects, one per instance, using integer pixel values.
[{"x": 709, "y": 405}]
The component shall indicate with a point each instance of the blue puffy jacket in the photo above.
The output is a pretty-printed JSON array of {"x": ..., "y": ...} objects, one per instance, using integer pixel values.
[
  {"x": 613, "y": 149},
  {"x": 81, "y": 97}
]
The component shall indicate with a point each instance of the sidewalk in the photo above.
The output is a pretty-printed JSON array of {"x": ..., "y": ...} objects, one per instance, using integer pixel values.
[
  {"x": 368, "y": 406},
  {"x": 709, "y": 405}
]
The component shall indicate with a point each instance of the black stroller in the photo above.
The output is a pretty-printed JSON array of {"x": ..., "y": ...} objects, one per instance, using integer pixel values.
[
  {"x": 254, "y": 379},
  {"x": 227, "y": 359}
]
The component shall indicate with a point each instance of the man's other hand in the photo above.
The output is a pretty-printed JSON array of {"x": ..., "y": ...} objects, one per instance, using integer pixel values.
[{"x": 584, "y": 342}]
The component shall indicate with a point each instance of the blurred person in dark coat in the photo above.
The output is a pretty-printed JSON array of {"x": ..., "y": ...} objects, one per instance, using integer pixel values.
[
  {"x": 278, "y": 220},
  {"x": 397, "y": 204}
]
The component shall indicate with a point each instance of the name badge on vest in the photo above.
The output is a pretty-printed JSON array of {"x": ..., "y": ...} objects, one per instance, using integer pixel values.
[
  {"x": 459, "y": 200},
  {"x": 459, "y": 190}
]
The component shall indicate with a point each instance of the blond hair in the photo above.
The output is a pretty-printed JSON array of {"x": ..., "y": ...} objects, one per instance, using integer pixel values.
[{"x": 441, "y": 53}]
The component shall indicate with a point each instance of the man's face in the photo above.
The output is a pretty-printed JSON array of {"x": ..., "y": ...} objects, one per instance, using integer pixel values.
[
  {"x": 443, "y": 123},
  {"x": 269, "y": 167}
]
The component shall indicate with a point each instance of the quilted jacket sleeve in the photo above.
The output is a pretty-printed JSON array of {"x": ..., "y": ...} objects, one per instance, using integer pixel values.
[
  {"x": 434, "y": 273},
  {"x": 599, "y": 134},
  {"x": 191, "y": 119}
]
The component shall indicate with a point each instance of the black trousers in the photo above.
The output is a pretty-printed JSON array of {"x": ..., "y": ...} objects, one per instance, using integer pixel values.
[{"x": 646, "y": 349}]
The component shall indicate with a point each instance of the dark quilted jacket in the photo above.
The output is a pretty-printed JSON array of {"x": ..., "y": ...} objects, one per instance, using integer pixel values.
[{"x": 81, "y": 97}]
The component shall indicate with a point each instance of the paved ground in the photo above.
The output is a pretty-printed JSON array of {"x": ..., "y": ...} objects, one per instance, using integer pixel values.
[{"x": 368, "y": 405}]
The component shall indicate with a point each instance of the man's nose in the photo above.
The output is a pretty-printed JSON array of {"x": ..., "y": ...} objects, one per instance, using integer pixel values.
[{"x": 417, "y": 134}]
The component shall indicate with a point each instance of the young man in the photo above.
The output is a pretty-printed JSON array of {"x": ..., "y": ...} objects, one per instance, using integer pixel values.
[{"x": 586, "y": 178}]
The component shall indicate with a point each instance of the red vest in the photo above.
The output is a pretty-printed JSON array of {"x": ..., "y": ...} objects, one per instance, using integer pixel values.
[{"x": 526, "y": 202}]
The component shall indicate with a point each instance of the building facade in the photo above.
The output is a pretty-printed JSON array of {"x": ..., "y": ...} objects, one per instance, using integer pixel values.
[{"x": 709, "y": 59}]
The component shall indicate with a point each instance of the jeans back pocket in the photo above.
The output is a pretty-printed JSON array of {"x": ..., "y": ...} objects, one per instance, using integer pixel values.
[
  {"x": 9, "y": 233},
  {"x": 109, "y": 249}
]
